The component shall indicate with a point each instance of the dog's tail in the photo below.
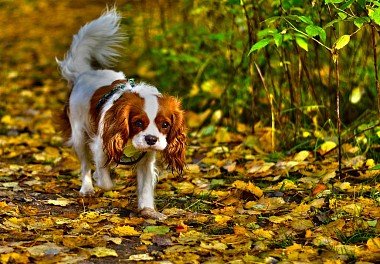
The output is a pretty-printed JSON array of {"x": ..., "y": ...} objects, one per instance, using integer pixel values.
[{"x": 95, "y": 43}]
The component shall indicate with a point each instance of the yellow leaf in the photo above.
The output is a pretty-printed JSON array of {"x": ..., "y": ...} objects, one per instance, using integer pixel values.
[
  {"x": 185, "y": 187},
  {"x": 60, "y": 202},
  {"x": 14, "y": 257},
  {"x": 260, "y": 168},
  {"x": 342, "y": 41},
  {"x": 250, "y": 187},
  {"x": 214, "y": 245},
  {"x": 193, "y": 168},
  {"x": 261, "y": 233},
  {"x": 302, "y": 155},
  {"x": 279, "y": 219},
  {"x": 140, "y": 257},
  {"x": 101, "y": 252},
  {"x": 353, "y": 209},
  {"x": 373, "y": 244},
  {"x": 112, "y": 194},
  {"x": 7, "y": 119},
  {"x": 327, "y": 146},
  {"x": 370, "y": 163},
  {"x": 222, "y": 219},
  {"x": 302, "y": 224},
  {"x": 125, "y": 231},
  {"x": 92, "y": 217},
  {"x": 356, "y": 95}
]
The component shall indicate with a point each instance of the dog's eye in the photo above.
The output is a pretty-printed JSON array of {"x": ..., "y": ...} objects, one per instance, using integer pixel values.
[
  {"x": 138, "y": 123},
  {"x": 165, "y": 125}
]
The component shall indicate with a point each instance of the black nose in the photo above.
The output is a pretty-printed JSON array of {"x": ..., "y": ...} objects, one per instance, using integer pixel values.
[{"x": 151, "y": 140}]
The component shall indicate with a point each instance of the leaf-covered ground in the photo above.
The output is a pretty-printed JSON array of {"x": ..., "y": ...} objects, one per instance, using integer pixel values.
[{"x": 233, "y": 204}]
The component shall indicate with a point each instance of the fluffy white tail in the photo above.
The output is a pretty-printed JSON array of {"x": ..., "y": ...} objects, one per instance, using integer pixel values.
[{"x": 95, "y": 41}]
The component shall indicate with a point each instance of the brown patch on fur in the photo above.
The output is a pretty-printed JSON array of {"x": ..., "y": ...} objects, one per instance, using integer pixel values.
[
  {"x": 94, "y": 112},
  {"x": 175, "y": 153}
]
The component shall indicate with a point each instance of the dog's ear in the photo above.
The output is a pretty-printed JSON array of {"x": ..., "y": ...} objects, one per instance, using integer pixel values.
[
  {"x": 175, "y": 152},
  {"x": 115, "y": 132}
]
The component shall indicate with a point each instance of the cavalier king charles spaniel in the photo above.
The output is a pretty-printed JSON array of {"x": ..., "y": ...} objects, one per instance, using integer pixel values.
[{"x": 105, "y": 112}]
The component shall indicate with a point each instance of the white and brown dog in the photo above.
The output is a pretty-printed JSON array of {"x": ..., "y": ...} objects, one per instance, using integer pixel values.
[{"x": 105, "y": 110}]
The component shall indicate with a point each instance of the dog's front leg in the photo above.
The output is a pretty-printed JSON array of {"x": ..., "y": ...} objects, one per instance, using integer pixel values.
[{"x": 146, "y": 182}]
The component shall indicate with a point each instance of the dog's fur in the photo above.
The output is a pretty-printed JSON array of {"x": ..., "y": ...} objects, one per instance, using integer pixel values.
[{"x": 140, "y": 114}]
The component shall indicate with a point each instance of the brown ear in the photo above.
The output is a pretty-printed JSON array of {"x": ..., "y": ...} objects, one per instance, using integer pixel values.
[
  {"x": 115, "y": 132},
  {"x": 175, "y": 153}
]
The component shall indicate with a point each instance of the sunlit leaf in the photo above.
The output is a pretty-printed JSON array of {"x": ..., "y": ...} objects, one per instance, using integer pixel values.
[
  {"x": 259, "y": 45},
  {"x": 140, "y": 257},
  {"x": 356, "y": 95},
  {"x": 342, "y": 41},
  {"x": 101, "y": 252},
  {"x": 302, "y": 43},
  {"x": 125, "y": 231},
  {"x": 375, "y": 15},
  {"x": 250, "y": 187},
  {"x": 60, "y": 202},
  {"x": 302, "y": 155},
  {"x": 373, "y": 244}
]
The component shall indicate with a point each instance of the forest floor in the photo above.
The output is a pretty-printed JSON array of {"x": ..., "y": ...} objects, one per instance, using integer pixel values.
[{"x": 234, "y": 203}]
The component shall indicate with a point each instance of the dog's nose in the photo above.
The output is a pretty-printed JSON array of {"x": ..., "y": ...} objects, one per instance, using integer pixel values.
[{"x": 151, "y": 140}]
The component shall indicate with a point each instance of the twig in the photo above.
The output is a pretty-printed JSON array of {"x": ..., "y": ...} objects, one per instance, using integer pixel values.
[
  {"x": 374, "y": 47},
  {"x": 339, "y": 121},
  {"x": 270, "y": 97}
]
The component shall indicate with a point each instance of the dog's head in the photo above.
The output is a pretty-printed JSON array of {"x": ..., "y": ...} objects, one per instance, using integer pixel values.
[{"x": 151, "y": 121}]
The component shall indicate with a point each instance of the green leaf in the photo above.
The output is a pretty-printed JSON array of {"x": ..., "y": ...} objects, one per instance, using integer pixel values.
[
  {"x": 347, "y": 4},
  {"x": 306, "y": 20},
  {"x": 259, "y": 45},
  {"x": 376, "y": 167},
  {"x": 359, "y": 22},
  {"x": 342, "y": 15},
  {"x": 278, "y": 38},
  {"x": 158, "y": 230},
  {"x": 313, "y": 31},
  {"x": 334, "y": 1},
  {"x": 265, "y": 32},
  {"x": 375, "y": 15},
  {"x": 302, "y": 43},
  {"x": 342, "y": 41}
]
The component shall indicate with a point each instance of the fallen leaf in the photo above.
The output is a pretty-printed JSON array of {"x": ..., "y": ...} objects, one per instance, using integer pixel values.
[
  {"x": 373, "y": 244},
  {"x": 47, "y": 249},
  {"x": 101, "y": 252},
  {"x": 302, "y": 155},
  {"x": 60, "y": 202},
  {"x": 158, "y": 230},
  {"x": 250, "y": 187},
  {"x": 124, "y": 231},
  {"x": 213, "y": 245},
  {"x": 140, "y": 257},
  {"x": 319, "y": 188}
]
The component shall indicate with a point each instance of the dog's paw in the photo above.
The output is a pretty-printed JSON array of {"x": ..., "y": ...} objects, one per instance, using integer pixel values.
[
  {"x": 152, "y": 214},
  {"x": 87, "y": 190},
  {"x": 103, "y": 182}
]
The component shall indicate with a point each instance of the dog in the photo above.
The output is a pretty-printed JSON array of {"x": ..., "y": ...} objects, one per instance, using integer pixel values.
[{"x": 106, "y": 112}]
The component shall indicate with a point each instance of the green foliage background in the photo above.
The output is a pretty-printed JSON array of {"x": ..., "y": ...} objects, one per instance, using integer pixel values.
[{"x": 212, "y": 53}]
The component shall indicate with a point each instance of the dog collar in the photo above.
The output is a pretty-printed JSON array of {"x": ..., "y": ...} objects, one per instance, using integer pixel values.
[{"x": 119, "y": 87}]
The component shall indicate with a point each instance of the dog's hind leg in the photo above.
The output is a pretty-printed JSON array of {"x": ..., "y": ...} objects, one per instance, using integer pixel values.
[{"x": 78, "y": 141}]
